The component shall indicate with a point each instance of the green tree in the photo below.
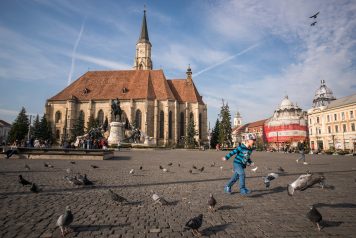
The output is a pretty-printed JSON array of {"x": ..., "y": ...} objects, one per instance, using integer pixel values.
[
  {"x": 191, "y": 132},
  {"x": 19, "y": 128},
  {"x": 215, "y": 134},
  {"x": 45, "y": 129},
  {"x": 35, "y": 130},
  {"x": 225, "y": 126},
  {"x": 78, "y": 127},
  {"x": 92, "y": 123}
]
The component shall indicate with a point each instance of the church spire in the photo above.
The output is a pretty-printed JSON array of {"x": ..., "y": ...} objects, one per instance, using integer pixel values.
[{"x": 144, "y": 32}]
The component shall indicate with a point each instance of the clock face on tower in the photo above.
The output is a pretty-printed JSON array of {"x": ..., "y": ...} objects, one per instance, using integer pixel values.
[{"x": 141, "y": 51}]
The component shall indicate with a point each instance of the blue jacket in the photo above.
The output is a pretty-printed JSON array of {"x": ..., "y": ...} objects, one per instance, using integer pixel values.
[{"x": 242, "y": 155}]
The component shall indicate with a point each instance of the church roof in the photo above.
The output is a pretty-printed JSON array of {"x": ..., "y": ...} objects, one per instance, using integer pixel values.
[
  {"x": 129, "y": 84},
  {"x": 185, "y": 91}
]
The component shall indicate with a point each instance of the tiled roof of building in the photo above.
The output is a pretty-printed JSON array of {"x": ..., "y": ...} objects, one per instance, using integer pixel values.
[
  {"x": 342, "y": 101},
  {"x": 4, "y": 123},
  {"x": 185, "y": 91},
  {"x": 129, "y": 84},
  {"x": 257, "y": 123}
]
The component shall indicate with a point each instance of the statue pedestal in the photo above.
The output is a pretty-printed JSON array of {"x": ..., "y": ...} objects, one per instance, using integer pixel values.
[{"x": 116, "y": 133}]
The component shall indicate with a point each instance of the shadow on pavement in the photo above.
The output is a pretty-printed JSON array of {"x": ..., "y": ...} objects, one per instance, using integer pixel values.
[
  {"x": 214, "y": 229},
  {"x": 82, "y": 228},
  {"x": 336, "y": 205},
  {"x": 228, "y": 207},
  {"x": 330, "y": 223},
  {"x": 278, "y": 189}
]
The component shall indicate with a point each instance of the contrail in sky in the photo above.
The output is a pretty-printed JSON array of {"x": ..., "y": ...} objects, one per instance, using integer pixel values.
[
  {"x": 75, "y": 51},
  {"x": 226, "y": 59}
]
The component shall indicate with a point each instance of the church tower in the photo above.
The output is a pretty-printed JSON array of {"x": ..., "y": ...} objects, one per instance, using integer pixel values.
[
  {"x": 237, "y": 120},
  {"x": 143, "y": 48}
]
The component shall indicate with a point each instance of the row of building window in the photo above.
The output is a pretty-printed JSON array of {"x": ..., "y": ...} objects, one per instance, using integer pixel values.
[
  {"x": 334, "y": 117},
  {"x": 344, "y": 129}
]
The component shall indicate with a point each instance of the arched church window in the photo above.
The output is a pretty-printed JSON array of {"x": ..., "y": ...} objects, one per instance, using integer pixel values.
[
  {"x": 182, "y": 124},
  {"x": 58, "y": 116},
  {"x": 161, "y": 124},
  {"x": 170, "y": 126},
  {"x": 200, "y": 125},
  {"x": 101, "y": 117},
  {"x": 138, "y": 119}
]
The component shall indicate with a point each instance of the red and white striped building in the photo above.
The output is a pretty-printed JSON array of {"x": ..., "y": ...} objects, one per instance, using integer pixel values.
[{"x": 287, "y": 126}]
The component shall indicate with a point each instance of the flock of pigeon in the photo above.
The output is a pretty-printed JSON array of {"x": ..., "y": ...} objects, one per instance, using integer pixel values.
[{"x": 302, "y": 183}]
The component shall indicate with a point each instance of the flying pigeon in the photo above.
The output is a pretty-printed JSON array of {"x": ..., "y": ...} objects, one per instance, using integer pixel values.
[
  {"x": 65, "y": 220},
  {"x": 132, "y": 171},
  {"x": 27, "y": 167},
  {"x": 170, "y": 164},
  {"x": 313, "y": 24},
  {"x": 314, "y": 216},
  {"x": 201, "y": 169},
  {"x": 160, "y": 167},
  {"x": 305, "y": 181},
  {"x": 254, "y": 169},
  {"x": 281, "y": 170},
  {"x": 315, "y": 15},
  {"x": 194, "y": 167},
  {"x": 94, "y": 166},
  {"x": 141, "y": 167},
  {"x": 194, "y": 224},
  {"x": 117, "y": 198},
  {"x": 211, "y": 202},
  {"x": 267, "y": 180},
  {"x": 72, "y": 162},
  {"x": 23, "y": 181},
  {"x": 34, "y": 188},
  {"x": 213, "y": 164},
  {"x": 158, "y": 199}
]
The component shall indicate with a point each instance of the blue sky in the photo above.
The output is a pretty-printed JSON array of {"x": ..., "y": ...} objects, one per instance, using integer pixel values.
[{"x": 249, "y": 53}]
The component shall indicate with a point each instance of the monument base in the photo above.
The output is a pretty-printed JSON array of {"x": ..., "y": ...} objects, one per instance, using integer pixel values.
[{"x": 116, "y": 133}]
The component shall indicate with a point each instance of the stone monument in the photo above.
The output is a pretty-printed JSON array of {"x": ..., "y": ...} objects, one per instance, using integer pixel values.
[{"x": 116, "y": 127}]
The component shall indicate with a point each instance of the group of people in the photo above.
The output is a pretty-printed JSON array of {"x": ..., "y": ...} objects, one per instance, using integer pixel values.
[{"x": 89, "y": 143}]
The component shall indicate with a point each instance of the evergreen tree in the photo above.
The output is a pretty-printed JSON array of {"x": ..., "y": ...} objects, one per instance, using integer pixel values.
[
  {"x": 45, "y": 129},
  {"x": 92, "y": 123},
  {"x": 191, "y": 132},
  {"x": 215, "y": 134},
  {"x": 78, "y": 127},
  {"x": 19, "y": 128},
  {"x": 106, "y": 124},
  {"x": 225, "y": 138},
  {"x": 35, "y": 130}
]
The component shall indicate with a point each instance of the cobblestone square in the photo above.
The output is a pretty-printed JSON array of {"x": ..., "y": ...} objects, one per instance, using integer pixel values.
[{"x": 264, "y": 213}]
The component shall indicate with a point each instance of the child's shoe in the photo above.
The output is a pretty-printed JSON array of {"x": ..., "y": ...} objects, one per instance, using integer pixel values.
[
  {"x": 244, "y": 191},
  {"x": 227, "y": 190}
]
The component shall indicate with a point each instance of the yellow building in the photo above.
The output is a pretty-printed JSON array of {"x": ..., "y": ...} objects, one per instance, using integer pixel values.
[
  {"x": 332, "y": 122},
  {"x": 159, "y": 107}
]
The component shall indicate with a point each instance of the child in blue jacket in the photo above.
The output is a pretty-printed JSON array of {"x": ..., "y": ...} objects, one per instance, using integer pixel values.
[{"x": 243, "y": 153}]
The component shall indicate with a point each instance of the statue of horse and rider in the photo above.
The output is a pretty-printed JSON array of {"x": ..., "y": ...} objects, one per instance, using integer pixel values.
[{"x": 116, "y": 109}]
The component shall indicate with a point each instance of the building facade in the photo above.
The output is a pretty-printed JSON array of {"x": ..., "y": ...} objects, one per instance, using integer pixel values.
[
  {"x": 159, "y": 107},
  {"x": 239, "y": 132},
  {"x": 287, "y": 126},
  {"x": 4, "y": 131},
  {"x": 332, "y": 123}
]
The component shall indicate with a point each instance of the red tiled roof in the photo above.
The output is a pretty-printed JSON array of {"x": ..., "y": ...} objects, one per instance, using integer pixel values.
[
  {"x": 185, "y": 91},
  {"x": 257, "y": 123},
  {"x": 140, "y": 84}
]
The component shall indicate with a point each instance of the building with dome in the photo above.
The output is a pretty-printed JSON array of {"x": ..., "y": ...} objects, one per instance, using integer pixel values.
[
  {"x": 161, "y": 108},
  {"x": 287, "y": 126},
  {"x": 331, "y": 121}
]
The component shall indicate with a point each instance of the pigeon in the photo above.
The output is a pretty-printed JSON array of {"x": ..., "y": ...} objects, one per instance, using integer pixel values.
[
  {"x": 315, "y": 15},
  {"x": 305, "y": 181},
  {"x": 141, "y": 167},
  {"x": 190, "y": 171},
  {"x": 158, "y": 199},
  {"x": 178, "y": 165},
  {"x": 314, "y": 216},
  {"x": 132, "y": 171},
  {"x": 72, "y": 162},
  {"x": 65, "y": 220},
  {"x": 165, "y": 170},
  {"x": 254, "y": 169},
  {"x": 213, "y": 164},
  {"x": 117, "y": 198},
  {"x": 73, "y": 180},
  {"x": 160, "y": 167},
  {"x": 313, "y": 24},
  {"x": 211, "y": 202},
  {"x": 34, "y": 188},
  {"x": 267, "y": 180},
  {"x": 94, "y": 166},
  {"x": 194, "y": 167},
  {"x": 84, "y": 180},
  {"x": 201, "y": 169},
  {"x": 194, "y": 224},
  {"x": 221, "y": 168},
  {"x": 27, "y": 167},
  {"x": 68, "y": 170},
  {"x": 170, "y": 164},
  {"x": 23, "y": 181},
  {"x": 281, "y": 170},
  {"x": 48, "y": 165}
]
